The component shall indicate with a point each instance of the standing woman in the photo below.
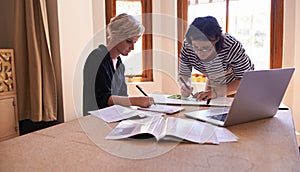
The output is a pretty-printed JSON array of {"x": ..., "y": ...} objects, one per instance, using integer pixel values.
[
  {"x": 104, "y": 79},
  {"x": 219, "y": 56}
]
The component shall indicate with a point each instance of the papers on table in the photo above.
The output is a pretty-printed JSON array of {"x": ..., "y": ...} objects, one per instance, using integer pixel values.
[
  {"x": 163, "y": 99},
  {"x": 224, "y": 135},
  {"x": 173, "y": 128},
  {"x": 162, "y": 128},
  {"x": 117, "y": 113},
  {"x": 163, "y": 109}
]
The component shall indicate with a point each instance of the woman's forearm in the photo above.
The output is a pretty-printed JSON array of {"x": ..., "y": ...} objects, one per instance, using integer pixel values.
[{"x": 228, "y": 89}]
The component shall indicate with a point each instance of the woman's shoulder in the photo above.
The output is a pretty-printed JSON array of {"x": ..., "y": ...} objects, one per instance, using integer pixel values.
[
  {"x": 101, "y": 51},
  {"x": 231, "y": 42},
  {"x": 102, "y": 48},
  {"x": 96, "y": 55},
  {"x": 186, "y": 49},
  {"x": 229, "y": 38}
]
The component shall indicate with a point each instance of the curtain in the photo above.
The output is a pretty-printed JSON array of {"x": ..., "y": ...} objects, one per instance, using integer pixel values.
[{"x": 37, "y": 62}]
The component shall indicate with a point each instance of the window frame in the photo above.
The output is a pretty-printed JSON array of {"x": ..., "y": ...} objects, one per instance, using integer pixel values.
[
  {"x": 276, "y": 28},
  {"x": 147, "y": 41}
]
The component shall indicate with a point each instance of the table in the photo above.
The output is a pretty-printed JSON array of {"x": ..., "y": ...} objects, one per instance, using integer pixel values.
[{"x": 79, "y": 145}]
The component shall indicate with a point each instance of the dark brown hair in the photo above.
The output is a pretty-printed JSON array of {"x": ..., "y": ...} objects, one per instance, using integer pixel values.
[{"x": 205, "y": 29}]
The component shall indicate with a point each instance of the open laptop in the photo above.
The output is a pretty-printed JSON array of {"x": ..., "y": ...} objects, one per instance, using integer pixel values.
[{"x": 258, "y": 96}]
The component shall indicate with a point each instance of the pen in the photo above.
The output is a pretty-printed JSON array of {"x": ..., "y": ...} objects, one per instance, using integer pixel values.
[
  {"x": 208, "y": 101},
  {"x": 141, "y": 90},
  {"x": 185, "y": 84}
]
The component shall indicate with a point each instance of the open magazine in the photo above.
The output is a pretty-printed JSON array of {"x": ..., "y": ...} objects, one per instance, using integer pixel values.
[{"x": 172, "y": 128}]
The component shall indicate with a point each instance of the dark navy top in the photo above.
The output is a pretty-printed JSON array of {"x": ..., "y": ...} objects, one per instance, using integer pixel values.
[{"x": 101, "y": 80}]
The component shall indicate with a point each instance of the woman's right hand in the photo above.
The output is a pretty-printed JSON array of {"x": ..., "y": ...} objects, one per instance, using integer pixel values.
[
  {"x": 142, "y": 101},
  {"x": 186, "y": 92}
]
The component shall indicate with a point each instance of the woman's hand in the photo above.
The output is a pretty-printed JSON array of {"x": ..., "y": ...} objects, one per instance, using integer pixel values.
[
  {"x": 186, "y": 92},
  {"x": 205, "y": 95},
  {"x": 142, "y": 101}
]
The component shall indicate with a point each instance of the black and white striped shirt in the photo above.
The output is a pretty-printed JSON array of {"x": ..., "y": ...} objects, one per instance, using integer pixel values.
[{"x": 229, "y": 64}]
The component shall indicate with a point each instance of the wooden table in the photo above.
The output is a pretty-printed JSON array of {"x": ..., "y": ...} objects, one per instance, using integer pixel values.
[{"x": 79, "y": 145}]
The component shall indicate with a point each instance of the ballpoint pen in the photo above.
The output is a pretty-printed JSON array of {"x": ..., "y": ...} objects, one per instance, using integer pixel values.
[
  {"x": 214, "y": 91},
  {"x": 208, "y": 101},
  {"x": 141, "y": 90},
  {"x": 185, "y": 85}
]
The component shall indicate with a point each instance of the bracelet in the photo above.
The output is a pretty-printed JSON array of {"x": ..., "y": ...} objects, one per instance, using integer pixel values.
[{"x": 213, "y": 90}]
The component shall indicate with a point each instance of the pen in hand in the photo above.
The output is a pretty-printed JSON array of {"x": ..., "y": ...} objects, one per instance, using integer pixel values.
[
  {"x": 208, "y": 101},
  {"x": 141, "y": 90},
  {"x": 185, "y": 85}
]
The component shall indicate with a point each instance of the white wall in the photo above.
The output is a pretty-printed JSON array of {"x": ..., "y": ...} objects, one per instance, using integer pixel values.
[
  {"x": 80, "y": 21},
  {"x": 76, "y": 29},
  {"x": 291, "y": 56}
]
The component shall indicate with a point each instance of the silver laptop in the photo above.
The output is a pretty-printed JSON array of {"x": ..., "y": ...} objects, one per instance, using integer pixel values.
[{"x": 258, "y": 96}]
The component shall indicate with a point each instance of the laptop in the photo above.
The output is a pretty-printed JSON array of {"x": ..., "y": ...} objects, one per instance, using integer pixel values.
[{"x": 259, "y": 95}]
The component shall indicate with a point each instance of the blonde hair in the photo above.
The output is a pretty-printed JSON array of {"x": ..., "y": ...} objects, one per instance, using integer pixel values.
[{"x": 124, "y": 26}]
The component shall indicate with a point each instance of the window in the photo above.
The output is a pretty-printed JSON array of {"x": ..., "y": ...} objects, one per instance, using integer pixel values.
[
  {"x": 258, "y": 27},
  {"x": 139, "y": 63}
]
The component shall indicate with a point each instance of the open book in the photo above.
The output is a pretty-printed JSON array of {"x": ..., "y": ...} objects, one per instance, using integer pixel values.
[{"x": 172, "y": 128}]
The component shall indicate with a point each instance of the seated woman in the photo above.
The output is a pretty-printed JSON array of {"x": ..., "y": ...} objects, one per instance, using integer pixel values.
[{"x": 104, "y": 79}]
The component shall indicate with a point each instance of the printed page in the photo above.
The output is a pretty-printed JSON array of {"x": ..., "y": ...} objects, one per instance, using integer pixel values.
[
  {"x": 163, "y": 109},
  {"x": 116, "y": 113},
  {"x": 177, "y": 100},
  {"x": 224, "y": 135},
  {"x": 150, "y": 125},
  {"x": 191, "y": 130}
]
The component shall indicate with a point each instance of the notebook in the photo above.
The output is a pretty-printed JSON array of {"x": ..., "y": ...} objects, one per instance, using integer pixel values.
[{"x": 259, "y": 95}]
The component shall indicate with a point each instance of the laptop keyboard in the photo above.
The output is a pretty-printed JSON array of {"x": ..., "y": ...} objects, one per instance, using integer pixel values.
[{"x": 220, "y": 117}]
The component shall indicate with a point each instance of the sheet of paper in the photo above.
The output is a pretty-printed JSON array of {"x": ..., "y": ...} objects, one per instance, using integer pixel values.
[
  {"x": 163, "y": 99},
  {"x": 116, "y": 113},
  {"x": 127, "y": 128},
  {"x": 224, "y": 135},
  {"x": 163, "y": 109},
  {"x": 191, "y": 130}
]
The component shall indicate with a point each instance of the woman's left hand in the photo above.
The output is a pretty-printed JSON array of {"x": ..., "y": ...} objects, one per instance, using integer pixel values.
[{"x": 204, "y": 95}]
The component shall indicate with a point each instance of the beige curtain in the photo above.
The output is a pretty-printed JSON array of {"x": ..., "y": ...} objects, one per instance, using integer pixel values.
[{"x": 37, "y": 61}]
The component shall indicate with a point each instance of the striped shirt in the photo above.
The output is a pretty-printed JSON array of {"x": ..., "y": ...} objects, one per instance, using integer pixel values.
[{"x": 229, "y": 64}]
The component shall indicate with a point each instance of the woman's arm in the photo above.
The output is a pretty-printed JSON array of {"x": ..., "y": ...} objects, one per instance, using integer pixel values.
[
  {"x": 186, "y": 89},
  {"x": 229, "y": 89}
]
